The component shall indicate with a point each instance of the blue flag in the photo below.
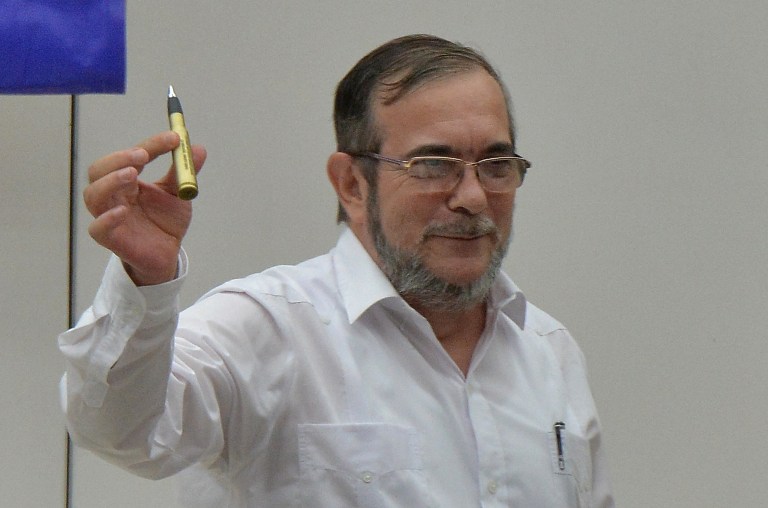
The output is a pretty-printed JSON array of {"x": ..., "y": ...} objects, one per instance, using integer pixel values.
[{"x": 62, "y": 46}]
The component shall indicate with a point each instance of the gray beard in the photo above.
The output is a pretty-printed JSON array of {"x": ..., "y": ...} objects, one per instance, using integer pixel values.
[{"x": 419, "y": 285}]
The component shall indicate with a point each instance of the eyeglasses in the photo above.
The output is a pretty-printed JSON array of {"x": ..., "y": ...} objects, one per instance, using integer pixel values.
[{"x": 442, "y": 174}]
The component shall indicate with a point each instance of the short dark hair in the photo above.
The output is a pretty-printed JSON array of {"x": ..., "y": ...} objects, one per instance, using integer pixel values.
[{"x": 388, "y": 73}]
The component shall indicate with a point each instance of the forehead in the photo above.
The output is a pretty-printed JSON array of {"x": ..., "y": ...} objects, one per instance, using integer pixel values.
[{"x": 466, "y": 111}]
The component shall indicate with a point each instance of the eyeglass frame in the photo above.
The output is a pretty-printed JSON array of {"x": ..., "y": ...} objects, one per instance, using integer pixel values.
[{"x": 406, "y": 165}]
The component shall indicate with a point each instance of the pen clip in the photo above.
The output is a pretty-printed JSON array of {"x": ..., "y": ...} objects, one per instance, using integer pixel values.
[{"x": 559, "y": 428}]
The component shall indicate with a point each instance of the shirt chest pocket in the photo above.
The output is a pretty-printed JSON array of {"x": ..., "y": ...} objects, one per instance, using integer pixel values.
[
  {"x": 372, "y": 465},
  {"x": 571, "y": 462}
]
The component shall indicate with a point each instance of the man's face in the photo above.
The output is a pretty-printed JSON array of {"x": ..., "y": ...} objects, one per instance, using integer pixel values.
[{"x": 454, "y": 239}]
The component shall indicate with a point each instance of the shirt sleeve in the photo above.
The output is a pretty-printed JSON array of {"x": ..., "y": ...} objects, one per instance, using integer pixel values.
[
  {"x": 102, "y": 333},
  {"x": 118, "y": 366}
]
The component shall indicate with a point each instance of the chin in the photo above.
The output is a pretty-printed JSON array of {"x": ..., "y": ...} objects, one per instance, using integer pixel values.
[{"x": 460, "y": 272}]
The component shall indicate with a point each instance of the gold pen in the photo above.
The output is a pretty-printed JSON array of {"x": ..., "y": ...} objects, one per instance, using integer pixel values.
[{"x": 182, "y": 154}]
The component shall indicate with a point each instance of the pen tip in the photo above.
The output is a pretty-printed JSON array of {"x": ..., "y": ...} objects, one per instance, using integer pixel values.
[{"x": 171, "y": 93}]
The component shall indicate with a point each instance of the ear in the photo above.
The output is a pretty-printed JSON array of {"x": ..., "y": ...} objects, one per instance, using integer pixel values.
[{"x": 350, "y": 185}]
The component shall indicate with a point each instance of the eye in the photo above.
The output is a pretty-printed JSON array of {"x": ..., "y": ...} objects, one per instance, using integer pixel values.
[
  {"x": 498, "y": 167},
  {"x": 431, "y": 167}
]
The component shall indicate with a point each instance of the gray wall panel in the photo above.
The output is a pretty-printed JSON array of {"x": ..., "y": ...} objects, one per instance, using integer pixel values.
[
  {"x": 641, "y": 227},
  {"x": 34, "y": 233}
]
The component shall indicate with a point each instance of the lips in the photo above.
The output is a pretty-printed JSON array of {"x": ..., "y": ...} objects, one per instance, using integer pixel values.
[
  {"x": 465, "y": 229},
  {"x": 460, "y": 237}
]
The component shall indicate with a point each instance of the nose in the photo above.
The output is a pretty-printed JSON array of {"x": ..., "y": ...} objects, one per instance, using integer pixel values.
[{"x": 468, "y": 196}]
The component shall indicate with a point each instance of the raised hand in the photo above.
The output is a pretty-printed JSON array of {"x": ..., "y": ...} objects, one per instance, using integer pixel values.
[{"x": 142, "y": 223}]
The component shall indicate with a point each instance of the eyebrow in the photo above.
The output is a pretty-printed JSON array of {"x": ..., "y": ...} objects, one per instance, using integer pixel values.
[
  {"x": 434, "y": 149},
  {"x": 501, "y": 148}
]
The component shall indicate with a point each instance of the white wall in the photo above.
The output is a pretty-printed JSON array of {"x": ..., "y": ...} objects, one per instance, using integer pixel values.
[
  {"x": 642, "y": 225},
  {"x": 34, "y": 237}
]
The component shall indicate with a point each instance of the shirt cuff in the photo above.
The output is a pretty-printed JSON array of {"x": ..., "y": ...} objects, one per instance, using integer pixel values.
[{"x": 120, "y": 310}]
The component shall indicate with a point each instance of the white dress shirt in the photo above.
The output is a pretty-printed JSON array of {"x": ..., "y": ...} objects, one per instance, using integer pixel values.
[{"x": 316, "y": 385}]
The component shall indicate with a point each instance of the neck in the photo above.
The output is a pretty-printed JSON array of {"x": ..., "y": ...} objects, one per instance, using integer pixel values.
[{"x": 458, "y": 331}]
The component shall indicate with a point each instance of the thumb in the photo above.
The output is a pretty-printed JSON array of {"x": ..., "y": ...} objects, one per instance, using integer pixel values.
[{"x": 168, "y": 182}]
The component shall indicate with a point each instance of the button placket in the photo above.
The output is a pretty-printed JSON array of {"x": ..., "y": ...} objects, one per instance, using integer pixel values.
[{"x": 488, "y": 444}]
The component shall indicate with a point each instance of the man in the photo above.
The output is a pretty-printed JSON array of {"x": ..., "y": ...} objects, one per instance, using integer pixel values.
[{"x": 402, "y": 369}]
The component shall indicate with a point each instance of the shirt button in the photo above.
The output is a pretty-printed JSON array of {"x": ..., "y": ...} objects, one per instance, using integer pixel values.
[
  {"x": 367, "y": 477},
  {"x": 493, "y": 487}
]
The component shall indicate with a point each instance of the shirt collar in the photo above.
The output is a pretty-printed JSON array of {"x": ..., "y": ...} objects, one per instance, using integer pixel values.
[
  {"x": 507, "y": 298},
  {"x": 362, "y": 283}
]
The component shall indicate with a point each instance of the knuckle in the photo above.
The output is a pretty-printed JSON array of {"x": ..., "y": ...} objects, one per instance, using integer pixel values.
[
  {"x": 88, "y": 198},
  {"x": 96, "y": 232},
  {"x": 94, "y": 172},
  {"x": 92, "y": 200}
]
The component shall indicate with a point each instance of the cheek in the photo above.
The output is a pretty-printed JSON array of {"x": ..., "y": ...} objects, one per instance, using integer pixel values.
[
  {"x": 502, "y": 211},
  {"x": 405, "y": 219}
]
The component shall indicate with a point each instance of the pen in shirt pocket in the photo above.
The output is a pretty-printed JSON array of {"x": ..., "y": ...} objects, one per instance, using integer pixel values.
[{"x": 559, "y": 430}]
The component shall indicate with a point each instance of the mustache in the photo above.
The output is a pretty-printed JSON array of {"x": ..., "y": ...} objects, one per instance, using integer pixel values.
[{"x": 468, "y": 226}]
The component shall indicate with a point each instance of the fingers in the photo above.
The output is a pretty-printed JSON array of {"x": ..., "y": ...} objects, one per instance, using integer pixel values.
[
  {"x": 199, "y": 155},
  {"x": 102, "y": 229},
  {"x": 134, "y": 157},
  {"x": 118, "y": 187},
  {"x": 160, "y": 144},
  {"x": 113, "y": 178},
  {"x": 137, "y": 157}
]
